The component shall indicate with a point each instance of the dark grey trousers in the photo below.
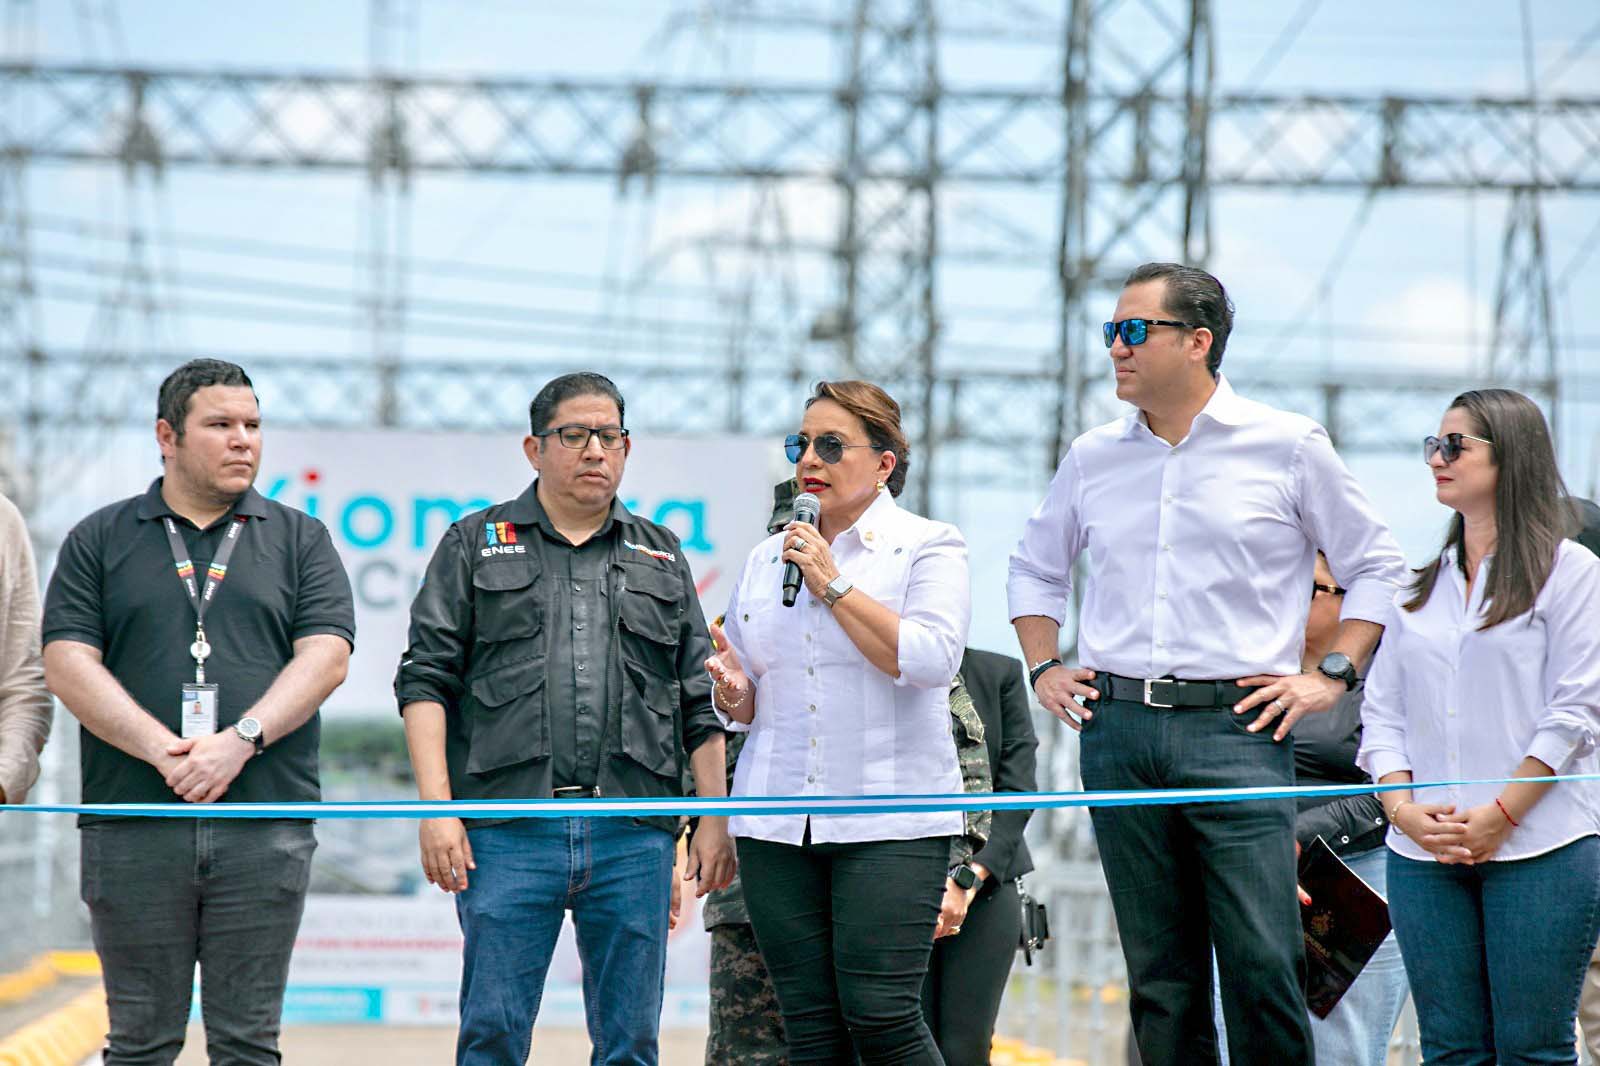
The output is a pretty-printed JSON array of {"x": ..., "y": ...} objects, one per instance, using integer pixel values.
[{"x": 167, "y": 893}]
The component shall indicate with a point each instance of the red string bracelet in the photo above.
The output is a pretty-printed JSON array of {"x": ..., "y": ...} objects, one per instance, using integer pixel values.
[{"x": 1505, "y": 812}]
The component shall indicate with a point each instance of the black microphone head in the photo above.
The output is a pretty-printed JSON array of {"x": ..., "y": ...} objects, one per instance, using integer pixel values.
[{"x": 807, "y": 507}]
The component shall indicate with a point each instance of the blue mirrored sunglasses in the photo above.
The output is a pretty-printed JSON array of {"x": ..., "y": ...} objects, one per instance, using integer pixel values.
[{"x": 1136, "y": 330}]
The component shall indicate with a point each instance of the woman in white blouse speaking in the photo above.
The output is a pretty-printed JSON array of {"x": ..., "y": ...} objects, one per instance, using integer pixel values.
[
  {"x": 1490, "y": 668},
  {"x": 846, "y": 693}
]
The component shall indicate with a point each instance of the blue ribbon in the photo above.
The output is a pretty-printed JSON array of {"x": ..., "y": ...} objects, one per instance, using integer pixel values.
[{"x": 672, "y": 806}]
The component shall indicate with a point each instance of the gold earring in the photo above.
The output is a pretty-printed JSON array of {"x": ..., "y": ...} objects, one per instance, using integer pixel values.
[{"x": 881, "y": 486}]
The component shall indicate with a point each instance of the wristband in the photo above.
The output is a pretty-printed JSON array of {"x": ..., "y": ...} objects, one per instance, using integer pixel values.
[
  {"x": 1038, "y": 670},
  {"x": 1507, "y": 813}
]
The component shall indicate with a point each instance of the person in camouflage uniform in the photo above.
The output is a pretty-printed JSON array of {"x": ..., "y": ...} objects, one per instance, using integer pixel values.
[
  {"x": 745, "y": 1023},
  {"x": 973, "y": 754},
  {"x": 746, "y": 1027}
]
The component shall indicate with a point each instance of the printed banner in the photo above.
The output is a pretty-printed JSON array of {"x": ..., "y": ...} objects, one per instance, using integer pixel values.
[{"x": 397, "y": 961}]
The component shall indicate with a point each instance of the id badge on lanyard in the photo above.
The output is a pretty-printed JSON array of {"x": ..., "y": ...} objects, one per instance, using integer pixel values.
[
  {"x": 199, "y": 710},
  {"x": 198, "y": 702}
]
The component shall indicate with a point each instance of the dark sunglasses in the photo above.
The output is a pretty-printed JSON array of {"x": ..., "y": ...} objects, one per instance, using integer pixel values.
[
  {"x": 577, "y": 437},
  {"x": 1448, "y": 446},
  {"x": 829, "y": 447},
  {"x": 1136, "y": 330},
  {"x": 1332, "y": 590}
]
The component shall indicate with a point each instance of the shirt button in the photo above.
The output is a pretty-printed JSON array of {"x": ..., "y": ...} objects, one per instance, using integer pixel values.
[
  {"x": 810, "y": 671},
  {"x": 580, "y": 625},
  {"x": 581, "y": 666},
  {"x": 1162, "y": 594},
  {"x": 810, "y": 780},
  {"x": 813, "y": 708},
  {"x": 813, "y": 742},
  {"x": 1167, "y": 498},
  {"x": 1161, "y": 644},
  {"x": 1166, "y": 547},
  {"x": 808, "y": 636},
  {"x": 813, "y": 603},
  {"x": 577, "y": 588}
]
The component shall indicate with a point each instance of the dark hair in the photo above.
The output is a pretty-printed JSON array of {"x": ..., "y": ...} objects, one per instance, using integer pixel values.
[
  {"x": 880, "y": 414},
  {"x": 1587, "y": 516},
  {"x": 1195, "y": 297},
  {"x": 1532, "y": 515},
  {"x": 172, "y": 402},
  {"x": 564, "y": 388}
]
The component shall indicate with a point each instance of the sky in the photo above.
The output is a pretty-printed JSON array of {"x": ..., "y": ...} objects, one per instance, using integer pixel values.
[{"x": 580, "y": 271}]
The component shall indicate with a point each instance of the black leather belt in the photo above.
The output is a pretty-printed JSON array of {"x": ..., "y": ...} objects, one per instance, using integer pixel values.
[
  {"x": 568, "y": 792},
  {"x": 1169, "y": 691}
]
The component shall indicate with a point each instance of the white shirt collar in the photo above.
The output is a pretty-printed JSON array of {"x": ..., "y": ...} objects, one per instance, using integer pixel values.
[
  {"x": 1225, "y": 407},
  {"x": 871, "y": 528}
]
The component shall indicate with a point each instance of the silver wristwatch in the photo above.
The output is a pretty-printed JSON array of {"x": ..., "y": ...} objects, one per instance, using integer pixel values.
[
  {"x": 250, "y": 729},
  {"x": 836, "y": 589}
]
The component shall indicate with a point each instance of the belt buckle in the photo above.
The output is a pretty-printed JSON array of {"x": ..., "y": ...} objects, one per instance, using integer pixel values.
[
  {"x": 575, "y": 792},
  {"x": 1149, "y": 692}
]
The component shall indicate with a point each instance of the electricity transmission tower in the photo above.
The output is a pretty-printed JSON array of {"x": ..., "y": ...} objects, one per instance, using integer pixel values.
[{"x": 1129, "y": 148}]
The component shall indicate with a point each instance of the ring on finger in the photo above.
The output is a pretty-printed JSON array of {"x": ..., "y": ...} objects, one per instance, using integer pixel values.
[
  {"x": 798, "y": 544},
  {"x": 1282, "y": 707}
]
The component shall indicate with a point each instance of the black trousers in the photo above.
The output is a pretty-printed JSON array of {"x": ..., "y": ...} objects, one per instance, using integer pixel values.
[
  {"x": 846, "y": 930},
  {"x": 1187, "y": 876},
  {"x": 165, "y": 894},
  {"x": 967, "y": 976}
]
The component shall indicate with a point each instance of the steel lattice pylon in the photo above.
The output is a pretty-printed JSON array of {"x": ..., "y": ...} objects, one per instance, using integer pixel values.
[{"x": 1131, "y": 148}]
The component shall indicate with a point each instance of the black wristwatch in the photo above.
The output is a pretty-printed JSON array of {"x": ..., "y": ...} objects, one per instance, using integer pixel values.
[
  {"x": 1338, "y": 666},
  {"x": 964, "y": 876}
]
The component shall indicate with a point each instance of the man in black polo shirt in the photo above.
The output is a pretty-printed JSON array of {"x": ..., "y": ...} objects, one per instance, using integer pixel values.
[
  {"x": 557, "y": 649},
  {"x": 194, "y": 631}
]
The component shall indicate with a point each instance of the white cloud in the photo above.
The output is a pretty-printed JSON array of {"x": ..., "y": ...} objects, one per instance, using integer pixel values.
[{"x": 1434, "y": 307}]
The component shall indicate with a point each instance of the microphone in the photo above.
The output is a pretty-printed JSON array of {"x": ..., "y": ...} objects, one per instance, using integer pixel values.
[{"x": 806, "y": 509}]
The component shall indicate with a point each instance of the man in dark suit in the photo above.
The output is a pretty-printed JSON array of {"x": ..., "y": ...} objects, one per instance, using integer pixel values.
[{"x": 968, "y": 970}]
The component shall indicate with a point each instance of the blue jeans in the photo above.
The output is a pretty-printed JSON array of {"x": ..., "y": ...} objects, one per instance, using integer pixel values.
[
  {"x": 1357, "y": 1031},
  {"x": 614, "y": 876},
  {"x": 1496, "y": 952}
]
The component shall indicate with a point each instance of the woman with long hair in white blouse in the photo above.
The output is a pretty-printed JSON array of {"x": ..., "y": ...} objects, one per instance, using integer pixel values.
[
  {"x": 1490, "y": 669},
  {"x": 846, "y": 693}
]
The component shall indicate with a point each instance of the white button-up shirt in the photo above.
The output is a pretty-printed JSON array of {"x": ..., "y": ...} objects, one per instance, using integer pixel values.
[
  {"x": 1200, "y": 555},
  {"x": 1451, "y": 702},
  {"x": 829, "y": 723}
]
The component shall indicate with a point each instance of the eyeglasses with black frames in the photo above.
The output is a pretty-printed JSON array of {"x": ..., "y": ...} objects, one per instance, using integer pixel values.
[
  {"x": 1448, "y": 446},
  {"x": 830, "y": 447},
  {"x": 577, "y": 437},
  {"x": 1136, "y": 331}
]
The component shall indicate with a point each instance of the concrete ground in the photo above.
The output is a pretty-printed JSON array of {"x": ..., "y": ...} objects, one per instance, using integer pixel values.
[{"x": 331, "y": 1045}]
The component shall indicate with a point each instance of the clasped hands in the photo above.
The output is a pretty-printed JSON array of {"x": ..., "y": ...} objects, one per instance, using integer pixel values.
[
  {"x": 1451, "y": 836},
  {"x": 200, "y": 769}
]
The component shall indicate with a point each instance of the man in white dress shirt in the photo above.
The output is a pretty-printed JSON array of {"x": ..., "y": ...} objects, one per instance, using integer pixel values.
[{"x": 1199, "y": 515}]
